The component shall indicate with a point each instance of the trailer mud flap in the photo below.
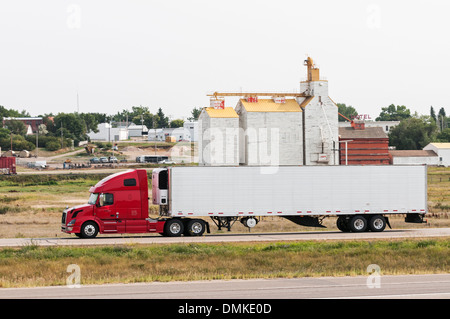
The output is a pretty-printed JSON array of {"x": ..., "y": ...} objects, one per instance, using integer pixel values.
[{"x": 308, "y": 221}]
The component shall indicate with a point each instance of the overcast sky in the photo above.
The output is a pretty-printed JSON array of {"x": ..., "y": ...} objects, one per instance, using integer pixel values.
[{"x": 170, "y": 54}]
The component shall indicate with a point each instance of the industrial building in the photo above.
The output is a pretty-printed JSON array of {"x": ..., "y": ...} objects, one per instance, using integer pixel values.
[
  {"x": 270, "y": 132},
  {"x": 219, "y": 137},
  {"x": 279, "y": 129},
  {"x": 442, "y": 150},
  {"x": 106, "y": 132},
  {"x": 361, "y": 145},
  {"x": 413, "y": 157}
]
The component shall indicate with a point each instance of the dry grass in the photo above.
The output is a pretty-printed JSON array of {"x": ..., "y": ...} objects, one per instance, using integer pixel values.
[{"x": 43, "y": 266}]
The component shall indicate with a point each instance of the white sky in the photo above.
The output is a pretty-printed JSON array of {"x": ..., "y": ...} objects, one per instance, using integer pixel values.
[{"x": 170, "y": 54}]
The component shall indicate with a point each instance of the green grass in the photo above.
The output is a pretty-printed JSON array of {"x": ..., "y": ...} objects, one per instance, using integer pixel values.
[{"x": 33, "y": 265}]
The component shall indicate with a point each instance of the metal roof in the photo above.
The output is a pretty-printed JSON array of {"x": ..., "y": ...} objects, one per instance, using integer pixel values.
[
  {"x": 227, "y": 112},
  {"x": 368, "y": 132},
  {"x": 441, "y": 145},
  {"x": 412, "y": 153},
  {"x": 269, "y": 105}
]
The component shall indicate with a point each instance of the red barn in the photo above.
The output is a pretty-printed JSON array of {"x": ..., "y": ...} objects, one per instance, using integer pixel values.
[{"x": 364, "y": 146}]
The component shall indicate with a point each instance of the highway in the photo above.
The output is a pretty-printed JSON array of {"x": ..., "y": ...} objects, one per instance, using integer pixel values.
[
  {"x": 436, "y": 286},
  {"x": 231, "y": 237}
]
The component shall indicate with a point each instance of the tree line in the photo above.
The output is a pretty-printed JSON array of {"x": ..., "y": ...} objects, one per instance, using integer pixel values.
[
  {"x": 414, "y": 131},
  {"x": 62, "y": 129}
]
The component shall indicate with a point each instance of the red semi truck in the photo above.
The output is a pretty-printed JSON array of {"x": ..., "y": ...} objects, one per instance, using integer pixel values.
[{"x": 361, "y": 197}]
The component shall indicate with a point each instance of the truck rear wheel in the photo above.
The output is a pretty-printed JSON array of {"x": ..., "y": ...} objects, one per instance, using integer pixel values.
[
  {"x": 357, "y": 224},
  {"x": 195, "y": 227},
  {"x": 89, "y": 230},
  {"x": 173, "y": 228},
  {"x": 377, "y": 223}
]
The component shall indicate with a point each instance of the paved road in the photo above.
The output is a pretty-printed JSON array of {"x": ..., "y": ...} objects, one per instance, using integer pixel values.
[
  {"x": 384, "y": 287},
  {"x": 158, "y": 239}
]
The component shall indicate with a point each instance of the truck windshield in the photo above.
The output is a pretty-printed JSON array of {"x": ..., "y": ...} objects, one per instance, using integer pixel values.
[{"x": 93, "y": 199}]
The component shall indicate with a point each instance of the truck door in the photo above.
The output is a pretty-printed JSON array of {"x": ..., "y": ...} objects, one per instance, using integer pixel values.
[{"x": 107, "y": 212}]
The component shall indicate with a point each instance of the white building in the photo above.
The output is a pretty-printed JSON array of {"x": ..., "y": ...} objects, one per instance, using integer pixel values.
[
  {"x": 218, "y": 143},
  {"x": 320, "y": 120},
  {"x": 108, "y": 133},
  {"x": 442, "y": 150},
  {"x": 414, "y": 157},
  {"x": 137, "y": 130},
  {"x": 270, "y": 132},
  {"x": 179, "y": 134},
  {"x": 192, "y": 127}
]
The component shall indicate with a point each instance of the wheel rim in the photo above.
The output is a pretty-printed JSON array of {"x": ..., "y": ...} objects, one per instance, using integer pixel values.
[
  {"x": 196, "y": 227},
  {"x": 359, "y": 224},
  {"x": 89, "y": 230},
  {"x": 175, "y": 228},
  {"x": 378, "y": 223}
]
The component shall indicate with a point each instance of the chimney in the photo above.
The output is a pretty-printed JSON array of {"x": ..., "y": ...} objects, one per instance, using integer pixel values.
[{"x": 359, "y": 125}]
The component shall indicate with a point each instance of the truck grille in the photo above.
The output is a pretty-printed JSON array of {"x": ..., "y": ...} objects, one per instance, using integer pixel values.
[{"x": 63, "y": 219}]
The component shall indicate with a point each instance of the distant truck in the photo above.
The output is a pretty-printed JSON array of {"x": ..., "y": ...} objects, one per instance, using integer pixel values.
[
  {"x": 151, "y": 158},
  {"x": 361, "y": 197}
]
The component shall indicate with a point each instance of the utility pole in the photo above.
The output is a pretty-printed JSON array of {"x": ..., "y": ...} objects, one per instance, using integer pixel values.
[{"x": 62, "y": 141}]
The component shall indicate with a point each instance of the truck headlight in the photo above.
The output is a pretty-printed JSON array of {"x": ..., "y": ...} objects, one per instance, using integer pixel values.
[{"x": 72, "y": 222}]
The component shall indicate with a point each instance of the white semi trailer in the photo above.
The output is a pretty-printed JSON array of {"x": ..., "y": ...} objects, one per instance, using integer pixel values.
[{"x": 361, "y": 197}]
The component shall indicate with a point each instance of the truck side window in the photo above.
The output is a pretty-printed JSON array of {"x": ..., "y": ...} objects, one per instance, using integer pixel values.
[
  {"x": 163, "y": 179},
  {"x": 106, "y": 199},
  {"x": 129, "y": 182}
]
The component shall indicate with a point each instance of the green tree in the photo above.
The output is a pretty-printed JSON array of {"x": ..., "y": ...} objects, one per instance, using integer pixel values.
[
  {"x": 195, "y": 113},
  {"x": 432, "y": 113},
  {"x": 163, "y": 121},
  {"x": 348, "y": 111},
  {"x": 394, "y": 113},
  {"x": 413, "y": 133},
  {"x": 176, "y": 123},
  {"x": 16, "y": 127},
  {"x": 443, "y": 136}
]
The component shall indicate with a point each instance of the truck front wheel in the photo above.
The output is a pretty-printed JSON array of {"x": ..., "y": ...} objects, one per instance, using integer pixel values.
[
  {"x": 173, "y": 228},
  {"x": 89, "y": 230}
]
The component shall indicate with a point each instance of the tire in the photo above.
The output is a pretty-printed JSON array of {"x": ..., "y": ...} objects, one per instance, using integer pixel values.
[
  {"x": 342, "y": 224},
  {"x": 173, "y": 228},
  {"x": 195, "y": 227},
  {"x": 377, "y": 223},
  {"x": 89, "y": 230},
  {"x": 357, "y": 224}
]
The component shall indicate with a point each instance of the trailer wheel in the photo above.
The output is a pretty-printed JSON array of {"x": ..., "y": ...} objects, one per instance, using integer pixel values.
[
  {"x": 89, "y": 230},
  {"x": 357, "y": 224},
  {"x": 377, "y": 223},
  {"x": 342, "y": 224},
  {"x": 173, "y": 228},
  {"x": 195, "y": 227}
]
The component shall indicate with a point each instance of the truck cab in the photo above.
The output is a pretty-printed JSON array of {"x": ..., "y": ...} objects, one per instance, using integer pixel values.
[{"x": 117, "y": 204}]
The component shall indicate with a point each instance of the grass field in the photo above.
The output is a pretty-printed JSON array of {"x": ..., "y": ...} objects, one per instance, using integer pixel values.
[{"x": 45, "y": 266}]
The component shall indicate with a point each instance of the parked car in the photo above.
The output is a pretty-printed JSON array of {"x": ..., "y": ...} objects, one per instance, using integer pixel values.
[
  {"x": 166, "y": 162},
  {"x": 103, "y": 160},
  {"x": 94, "y": 160},
  {"x": 112, "y": 159}
]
